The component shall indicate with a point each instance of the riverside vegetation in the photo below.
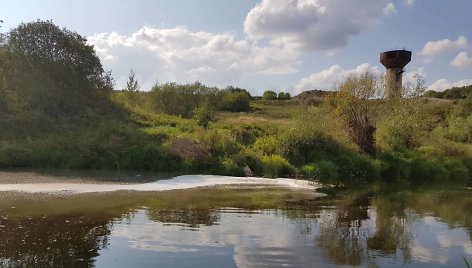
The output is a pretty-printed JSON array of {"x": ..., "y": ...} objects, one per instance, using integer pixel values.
[{"x": 58, "y": 110}]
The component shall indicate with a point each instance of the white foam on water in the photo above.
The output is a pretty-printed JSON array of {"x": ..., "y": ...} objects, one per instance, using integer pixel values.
[{"x": 177, "y": 183}]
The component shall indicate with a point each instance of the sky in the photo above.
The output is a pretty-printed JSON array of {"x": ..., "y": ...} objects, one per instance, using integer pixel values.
[{"x": 280, "y": 45}]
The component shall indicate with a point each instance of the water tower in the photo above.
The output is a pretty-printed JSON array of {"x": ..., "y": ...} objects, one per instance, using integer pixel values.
[{"x": 394, "y": 61}]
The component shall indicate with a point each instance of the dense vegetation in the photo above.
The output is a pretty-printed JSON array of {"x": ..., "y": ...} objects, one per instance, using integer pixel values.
[{"x": 58, "y": 110}]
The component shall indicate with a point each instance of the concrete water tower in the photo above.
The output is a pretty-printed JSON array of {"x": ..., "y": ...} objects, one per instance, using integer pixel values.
[{"x": 394, "y": 61}]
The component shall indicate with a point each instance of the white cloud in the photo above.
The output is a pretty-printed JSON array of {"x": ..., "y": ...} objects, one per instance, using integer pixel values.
[
  {"x": 443, "y": 84},
  {"x": 328, "y": 78},
  {"x": 410, "y": 2},
  {"x": 180, "y": 55},
  {"x": 389, "y": 9},
  {"x": 313, "y": 24},
  {"x": 411, "y": 76},
  {"x": 434, "y": 48},
  {"x": 462, "y": 60}
]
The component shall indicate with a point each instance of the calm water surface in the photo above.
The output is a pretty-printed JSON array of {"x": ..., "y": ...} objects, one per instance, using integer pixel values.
[{"x": 236, "y": 228}]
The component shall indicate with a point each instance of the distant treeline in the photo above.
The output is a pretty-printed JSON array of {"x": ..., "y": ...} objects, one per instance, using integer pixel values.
[{"x": 453, "y": 93}]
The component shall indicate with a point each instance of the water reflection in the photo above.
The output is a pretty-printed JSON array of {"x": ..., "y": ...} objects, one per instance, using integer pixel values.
[
  {"x": 51, "y": 241},
  {"x": 236, "y": 228}
]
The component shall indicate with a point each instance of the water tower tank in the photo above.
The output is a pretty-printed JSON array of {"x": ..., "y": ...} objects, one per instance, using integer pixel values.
[{"x": 394, "y": 61}]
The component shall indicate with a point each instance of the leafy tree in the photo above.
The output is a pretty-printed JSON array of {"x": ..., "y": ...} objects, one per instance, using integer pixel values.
[
  {"x": 235, "y": 102},
  {"x": 177, "y": 99},
  {"x": 48, "y": 72},
  {"x": 355, "y": 105},
  {"x": 204, "y": 114},
  {"x": 42, "y": 42},
  {"x": 269, "y": 95},
  {"x": 284, "y": 96},
  {"x": 132, "y": 84}
]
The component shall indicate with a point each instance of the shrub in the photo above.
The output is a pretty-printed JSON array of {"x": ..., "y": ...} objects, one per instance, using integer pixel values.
[
  {"x": 301, "y": 146},
  {"x": 267, "y": 145},
  {"x": 310, "y": 171},
  {"x": 235, "y": 102},
  {"x": 190, "y": 152},
  {"x": 327, "y": 170},
  {"x": 218, "y": 142},
  {"x": 204, "y": 114},
  {"x": 269, "y": 95},
  {"x": 284, "y": 96},
  {"x": 275, "y": 166},
  {"x": 229, "y": 167}
]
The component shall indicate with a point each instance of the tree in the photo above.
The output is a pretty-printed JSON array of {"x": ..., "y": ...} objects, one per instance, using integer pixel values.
[
  {"x": 204, "y": 114},
  {"x": 284, "y": 96},
  {"x": 46, "y": 70},
  {"x": 356, "y": 103},
  {"x": 235, "y": 102},
  {"x": 42, "y": 42},
  {"x": 269, "y": 95},
  {"x": 132, "y": 85}
]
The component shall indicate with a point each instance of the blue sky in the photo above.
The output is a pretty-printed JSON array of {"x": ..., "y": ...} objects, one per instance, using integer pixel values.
[{"x": 283, "y": 45}]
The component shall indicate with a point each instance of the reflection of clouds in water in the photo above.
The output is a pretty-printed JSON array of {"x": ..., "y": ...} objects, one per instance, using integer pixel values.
[
  {"x": 435, "y": 242},
  {"x": 428, "y": 255},
  {"x": 258, "y": 239},
  {"x": 456, "y": 239}
]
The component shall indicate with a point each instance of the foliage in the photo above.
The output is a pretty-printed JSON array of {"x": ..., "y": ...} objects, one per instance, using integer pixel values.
[
  {"x": 269, "y": 95},
  {"x": 42, "y": 42},
  {"x": 268, "y": 145},
  {"x": 175, "y": 99},
  {"x": 204, "y": 114},
  {"x": 452, "y": 93},
  {"x": 132, "y": 84},
  {"x": 235, "y": 101},
  {"x": 355, "y": 106},
  {"x": 458, "y": 124},
  {"x": 275, "y": 166},
  {"x": 284, "y": 96}
]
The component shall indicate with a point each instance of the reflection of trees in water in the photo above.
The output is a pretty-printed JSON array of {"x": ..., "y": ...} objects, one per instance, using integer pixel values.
[
  {"x": 344, "y": 231},
  {"x": 349, "y": 236},
  {"x": 191, "y": 217},
  {"x": 393, "y": 223},
  {"x": 59, "y": 241}
]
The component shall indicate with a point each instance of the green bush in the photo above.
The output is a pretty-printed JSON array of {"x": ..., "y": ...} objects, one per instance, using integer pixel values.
[
  {"x": 235, "y": 102},
  {"x": 269, "y": 95},
  {"x": 310, "y": 171},
  {"x": 302, "y": 146},
  {"x": 327, "y": 170},
  {"x": 267, "y": 145},
  {"x": 228, "y": 167},
  {"x": 275, "y": 166}
]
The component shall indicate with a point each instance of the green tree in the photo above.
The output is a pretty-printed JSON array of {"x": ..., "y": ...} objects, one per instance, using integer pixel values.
[
  {"x": 356, "y": 104},
  {"x": 284, "y": 96},
  {"x": 132, "y": 84},
  {"x": 204, "y": 114},
  {"x": 235, "y": 102},
  {"x": 269, "y": 95},
  {"x": 42, "y": 42}
]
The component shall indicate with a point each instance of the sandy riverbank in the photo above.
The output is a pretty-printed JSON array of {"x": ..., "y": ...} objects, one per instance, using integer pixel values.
[{"x": 38, "y": 183}]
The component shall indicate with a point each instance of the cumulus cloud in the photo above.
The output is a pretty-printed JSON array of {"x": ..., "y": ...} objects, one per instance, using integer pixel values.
[
  {"x": 434, "y": 48},
  {"x": 313, "y": 25},
  {"x": 177, "y": 54},
  {"x": 462, "y": 60},
  {"x": 390, "y": 9},
  {"x": 411, "y": 76},
  {"x": 410, "y": 2},
  {"x": 328, "y": 78},
  {"x": 443, "y": 84}
]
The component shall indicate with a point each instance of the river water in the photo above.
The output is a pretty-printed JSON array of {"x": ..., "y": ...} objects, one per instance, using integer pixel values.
[{"x": 243, "y": 226}]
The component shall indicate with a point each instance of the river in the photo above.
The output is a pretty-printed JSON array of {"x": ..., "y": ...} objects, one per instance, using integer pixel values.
[{"x": 236, "y": 226}]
